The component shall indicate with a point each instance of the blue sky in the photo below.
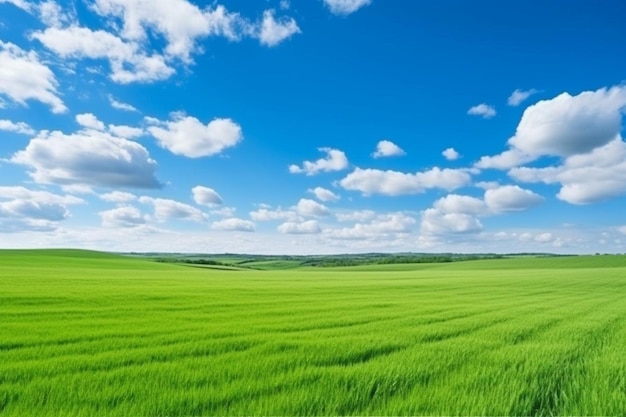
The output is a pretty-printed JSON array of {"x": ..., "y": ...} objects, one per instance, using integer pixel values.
[{"x": 319, "y": 126}]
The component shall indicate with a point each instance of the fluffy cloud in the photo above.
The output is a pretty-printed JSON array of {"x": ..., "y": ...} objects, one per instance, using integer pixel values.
[
  {"x": 206, "y": 196},
  {"x": 186, "y": 135},
  {"x": 484, "y": 110},
  {"x": 265, "y": 214},
  {"x": 345, "y": 7},
  {"x": 386, "y": 148},
  {"x": 323, "y": 194},
  {"x": 586, "y": 178},
  {"x": 118, "y": 197},
  {"x": 518, "y": 96},
  {"x": 511, "y": 198},
  {"x": 300, "y": 228},
  {"x": 25, "y": 209},
  {"x": 233, "y": 224},
  {"x": 436, "y": 222},
  {"x": 454, "y": 203},
  {"x": 166, "y": 209},
  {"x": 121, "y": 106},
  {"x": 125, "y": 216},
  {"x": 311, "y": 208},
  {"x": 275, "y": 31},
  {"x": 90, "y": 121},
  {"x": 87, "y": 158},
  {"x": 382, "y": 226},
  {"x": 127, "y": 132},
  {"x": 374, "y": 181},
  {"x": 563, "y": 126},
  {"x": 335, "y": 161},
  {"x": 23, "y": 77},
  {"x": 19, "y": 127},
  {"x": 450, "y": 154}
]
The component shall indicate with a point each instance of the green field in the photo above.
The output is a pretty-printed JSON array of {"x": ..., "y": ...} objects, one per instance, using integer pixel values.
[{"x": 89, "y": 334}]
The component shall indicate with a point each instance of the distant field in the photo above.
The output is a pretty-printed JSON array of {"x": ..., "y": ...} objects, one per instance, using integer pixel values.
[{"x": 90, "y": 334}]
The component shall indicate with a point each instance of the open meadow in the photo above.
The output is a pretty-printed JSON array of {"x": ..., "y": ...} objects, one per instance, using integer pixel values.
[{"x": 92, "y": 334}]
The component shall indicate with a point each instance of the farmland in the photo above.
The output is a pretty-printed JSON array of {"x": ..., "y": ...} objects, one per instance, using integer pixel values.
[{"x": 86, "y": 333}]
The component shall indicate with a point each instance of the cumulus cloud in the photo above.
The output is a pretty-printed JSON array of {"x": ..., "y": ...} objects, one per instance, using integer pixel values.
[
  {"x": 206, "y": 196},
  {"x": 275, "y": 31},
  {"x": 233, "y": 224},
  {"x": 311, "y": 208},
  {"x": 124, "y": 216},
  {"x": 128, "y": 63},
  {"x": 166, "y": 209},
  {"x": 25, "y": 209},
  {"x": 483, "y": 110},
  {"x": 265, "y": 214},
  {"x": 450, "y": 154},
  {"x": 335, "y": 160},
  {"x": 127, "y": 132},
  {"x": 436, "y": 222},
  {"x": 393, "y": 183},
  {"x": 323, "y": 194},
  {"x": 586, "y": 178},
  {"x": 454, "y": 203},
  {"x": 300, "y": 228},
  {"x": 518, "y": 96},
  {"x": 118, "y": 197},
  {"x": 511, "y": 198},
  {"x": 23, "y": 77},
  {"x": 90, "y": 121},
  {"x": 188, "y": 136},
  {"x": 563, "y": 126},
  {"x": 386, "y": 148},
  {"x": 87, "y": 158},
  {"x": 17, "y": 127},
  {"x": 345, "y": 7},
  {"x": 121, "y": 105},
  {"x": 381, "y": 226}
]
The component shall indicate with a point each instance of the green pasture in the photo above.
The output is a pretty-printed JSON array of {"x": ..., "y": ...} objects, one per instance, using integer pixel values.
[{"x": 91, "y": 334}]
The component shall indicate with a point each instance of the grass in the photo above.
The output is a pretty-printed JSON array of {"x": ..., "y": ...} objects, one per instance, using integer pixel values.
[{"x": 87, "y": 334}]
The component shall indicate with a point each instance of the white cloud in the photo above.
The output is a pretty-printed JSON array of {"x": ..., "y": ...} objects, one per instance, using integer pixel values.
[
  {"x": 450, "y": 154},
  {"x": 125, "y": 216},
  {"x": 436, "y": 222},
  {"x": 484, "y": 110},
  {"x": 233, "y": 224},
  {"x": 206, "y": 196},
  {"x": 518, "y": 96},
  {"x": 51, "y": 14},
  {"x": 25, "y": 209},
  {"x": 19, "y": 127},
  {"x": 166, "y": 209},
  {"x": 266, "y": 214},
  {"x": 622, "y": 230},
  {"x": 335, "y": 161},
  {"x": 386, "y": 148},
  {"x": 345, "y": 7},
  {"x": 186, "y": 135},
  {"x": 301, "y": 228},
  {"x": 126, "y": 132},
  {"x": 568, "y": 125},
  {"x": 118, "y": 197},
  {"x": 311, "y": 208},
  {"x": 90, "y": 121},
  {"x": 23, "y": 77},
  {"x": 454, "y": 203},
  {"x": 121, "y": 106},
  {"x": 511, "y": 198},
  {"x": 382, "y": 226},
  {"x": 586, "y": 178},
  {"x": 275, "y": 31},
  {"x": 22, "y": 4},
  {"x": 374, "y": 181},
  {"x": 505, "y": 160},
  {"x": 360, "y": 216},
  {"x": 128, "y": 63},
  {"x": 87, "y": 158},
  {"x": 323, "y": 194}
]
